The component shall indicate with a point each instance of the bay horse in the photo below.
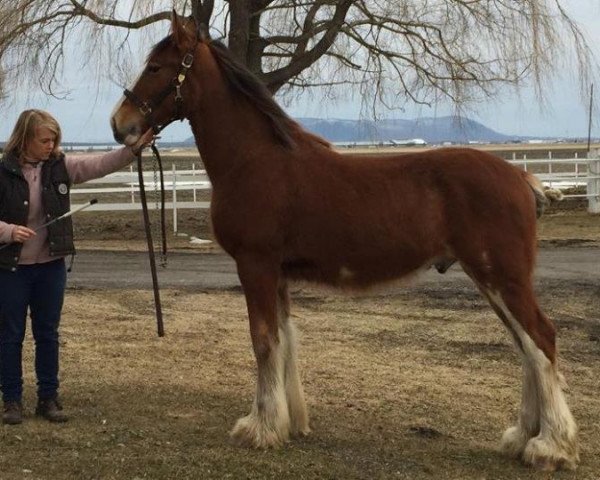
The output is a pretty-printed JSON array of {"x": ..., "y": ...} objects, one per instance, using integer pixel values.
[{"x": 288, "y": 207}]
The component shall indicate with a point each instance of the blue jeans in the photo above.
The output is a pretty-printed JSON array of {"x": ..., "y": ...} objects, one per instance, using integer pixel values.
[{"x": 40, "y": 288}]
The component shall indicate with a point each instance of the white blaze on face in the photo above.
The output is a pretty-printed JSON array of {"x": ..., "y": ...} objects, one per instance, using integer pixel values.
[
  {"x": 119, "y": 123},
  {"x": 118, "y": 106}
]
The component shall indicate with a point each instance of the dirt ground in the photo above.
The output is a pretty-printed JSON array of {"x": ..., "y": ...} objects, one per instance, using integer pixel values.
[
  {"x": 564, "y": 223},
  {"x": 408, "y": 384}
]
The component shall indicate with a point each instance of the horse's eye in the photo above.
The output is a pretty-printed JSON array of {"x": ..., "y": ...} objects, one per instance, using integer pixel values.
[{"x": 153, "y": 68}]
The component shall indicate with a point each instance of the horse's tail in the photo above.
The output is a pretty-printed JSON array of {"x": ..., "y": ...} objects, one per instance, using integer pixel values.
[{"x": 543, "y": 195}]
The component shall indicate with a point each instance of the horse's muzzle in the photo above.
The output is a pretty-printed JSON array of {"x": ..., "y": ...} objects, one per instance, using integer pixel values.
[{"x": 125, "y": 134}]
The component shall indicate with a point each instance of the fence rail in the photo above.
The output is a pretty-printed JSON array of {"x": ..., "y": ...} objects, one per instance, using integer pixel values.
[{"x": 560, "y": 173}]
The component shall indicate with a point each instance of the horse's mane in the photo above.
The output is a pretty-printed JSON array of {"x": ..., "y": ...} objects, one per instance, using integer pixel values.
[{"x": 246, "y": 84}]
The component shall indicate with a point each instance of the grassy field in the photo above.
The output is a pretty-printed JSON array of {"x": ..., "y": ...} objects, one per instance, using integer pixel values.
[{"x": 409, "y": 384}]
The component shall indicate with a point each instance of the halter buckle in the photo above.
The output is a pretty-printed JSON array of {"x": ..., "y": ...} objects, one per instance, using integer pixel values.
[
  {"x": 187, "y": 60},
  {"x": 145, "y": 109}
]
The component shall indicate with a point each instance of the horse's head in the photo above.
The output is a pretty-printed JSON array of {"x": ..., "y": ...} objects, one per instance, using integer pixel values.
[{"x": 157, "y": 97}]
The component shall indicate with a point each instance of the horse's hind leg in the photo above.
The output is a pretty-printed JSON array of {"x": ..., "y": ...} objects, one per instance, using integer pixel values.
[
  {"x": 268, "y": 423},
  {"x": 546, "y": 434},
  {"x": 515, "y": 438},
  {"x": 293, "y": 386}
]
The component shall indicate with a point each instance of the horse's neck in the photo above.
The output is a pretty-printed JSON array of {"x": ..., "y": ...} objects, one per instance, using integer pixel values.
[
  {"x": 223, "y": 142},
  {"x": 227, "y": 129}
]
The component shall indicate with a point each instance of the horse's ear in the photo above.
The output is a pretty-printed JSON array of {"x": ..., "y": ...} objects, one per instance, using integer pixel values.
[
  {"x": 203, "y": 34},
  {"x": 184, "y": 32}
]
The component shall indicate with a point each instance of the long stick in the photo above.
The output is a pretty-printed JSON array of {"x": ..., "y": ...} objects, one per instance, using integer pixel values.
[
  {"x": 62, "y": 217},
  {"x": 68, "y": 214},
  {"x": 159, "y": 317}
]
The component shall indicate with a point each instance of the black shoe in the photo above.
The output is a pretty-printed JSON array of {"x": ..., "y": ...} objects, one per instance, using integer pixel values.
[
  {"x": 13, "y": 413},
  {"x": 51, "y": 410}
]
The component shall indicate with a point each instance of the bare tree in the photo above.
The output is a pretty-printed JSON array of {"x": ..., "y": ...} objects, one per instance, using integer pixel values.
[{"x": 391, "y": 51}]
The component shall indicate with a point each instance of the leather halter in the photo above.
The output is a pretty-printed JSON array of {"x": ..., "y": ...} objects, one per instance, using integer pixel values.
[{"x": 147, "y": 108}]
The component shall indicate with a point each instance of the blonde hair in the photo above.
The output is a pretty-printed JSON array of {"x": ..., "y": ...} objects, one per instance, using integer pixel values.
[{"x": 25, "y": 129}]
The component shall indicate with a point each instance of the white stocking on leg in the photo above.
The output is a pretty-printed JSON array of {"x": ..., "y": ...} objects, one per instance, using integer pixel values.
[{"x": 299, "y": 424}]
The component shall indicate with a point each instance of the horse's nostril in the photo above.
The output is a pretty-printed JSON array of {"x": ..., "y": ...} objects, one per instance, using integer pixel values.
[
  {"x": 113, "y": 125},
  {"x": 118, "y": 137},
  {"x": 134, "y": 131}
]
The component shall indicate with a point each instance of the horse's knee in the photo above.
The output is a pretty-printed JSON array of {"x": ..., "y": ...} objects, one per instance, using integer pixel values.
[
  {"x": 528, "y": 317},
  {"x": 262, "y": 350},
  {"x": 263, "y": 344},
  {"x": 543, "y": 333},
  {"x": 547, "y": 336}
]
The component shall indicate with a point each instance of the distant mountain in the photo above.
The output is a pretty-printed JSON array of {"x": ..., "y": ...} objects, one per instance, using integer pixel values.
[{"x": 433, "y": 130}]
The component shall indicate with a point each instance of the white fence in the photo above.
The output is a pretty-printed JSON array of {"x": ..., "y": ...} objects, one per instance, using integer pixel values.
[
  {"x": 567, "y": 173},
  {"x": 126, "y": 184},
  {"x": 558, "y": 173}
]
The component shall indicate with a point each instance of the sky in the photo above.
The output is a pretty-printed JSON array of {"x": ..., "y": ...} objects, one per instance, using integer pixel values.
[{"x": 84, "y": 115}]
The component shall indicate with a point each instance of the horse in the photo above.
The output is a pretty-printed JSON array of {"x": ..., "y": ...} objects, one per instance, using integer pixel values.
[{"x": 287, "y": 207}]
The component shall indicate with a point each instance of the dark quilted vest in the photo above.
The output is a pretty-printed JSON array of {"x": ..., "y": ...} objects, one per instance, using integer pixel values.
[{"x": 14, "y": 205}]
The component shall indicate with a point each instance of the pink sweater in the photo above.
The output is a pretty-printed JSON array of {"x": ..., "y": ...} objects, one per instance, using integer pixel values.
[{"x": 80, "y": 168}]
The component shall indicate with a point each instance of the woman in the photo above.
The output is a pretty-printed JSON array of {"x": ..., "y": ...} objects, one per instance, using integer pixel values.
[{"x": 35, "y": 178}]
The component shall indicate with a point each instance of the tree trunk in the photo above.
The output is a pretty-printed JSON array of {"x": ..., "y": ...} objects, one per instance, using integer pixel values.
[
  {"x": 256, "y": 46},
  {"x": 239, "y": 29}
]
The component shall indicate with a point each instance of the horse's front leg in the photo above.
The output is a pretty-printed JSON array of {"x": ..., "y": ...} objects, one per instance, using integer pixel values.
[
  {"x": 293, "y": 387},
  {"x": 268, "y": 424}
]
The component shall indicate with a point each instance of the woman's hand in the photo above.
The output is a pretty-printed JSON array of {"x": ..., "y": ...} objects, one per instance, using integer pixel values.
[
  {"x": 21, "y": 234},
  {"x": 144, "y": 141}
]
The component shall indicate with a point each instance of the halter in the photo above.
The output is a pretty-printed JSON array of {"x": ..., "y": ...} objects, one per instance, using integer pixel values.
[{"x": 147, "y": 108}]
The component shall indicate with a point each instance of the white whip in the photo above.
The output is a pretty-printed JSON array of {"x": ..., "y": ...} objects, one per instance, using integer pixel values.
[
  {"x": 62, "y": 217},
  {"x": 69, "y": 213}
]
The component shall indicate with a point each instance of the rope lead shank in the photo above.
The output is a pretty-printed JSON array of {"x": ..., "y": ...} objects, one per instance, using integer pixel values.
[{"x": 151, "y": 257}]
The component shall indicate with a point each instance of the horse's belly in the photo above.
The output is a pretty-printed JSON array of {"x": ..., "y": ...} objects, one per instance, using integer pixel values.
[{"x": 356, "y": 272}]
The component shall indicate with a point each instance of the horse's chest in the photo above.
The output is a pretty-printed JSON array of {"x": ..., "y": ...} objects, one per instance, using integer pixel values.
[{"x": 238, "y": 224}]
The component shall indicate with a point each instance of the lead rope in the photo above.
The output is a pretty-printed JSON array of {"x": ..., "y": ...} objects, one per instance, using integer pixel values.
[
  {"x": 157, "y": 304},
  {"x": 158, "y": 166}
]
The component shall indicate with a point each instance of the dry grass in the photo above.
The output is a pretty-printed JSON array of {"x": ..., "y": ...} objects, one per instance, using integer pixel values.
[{"x": 414, "y": 384}]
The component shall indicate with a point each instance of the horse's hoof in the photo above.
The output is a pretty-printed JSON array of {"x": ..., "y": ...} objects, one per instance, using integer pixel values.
[
  {"x": 300, "y": 431},
  {"x": 514, "y": 441},
  {"x": 545, "y": 455},
  {"x": 249, "y": 432}
]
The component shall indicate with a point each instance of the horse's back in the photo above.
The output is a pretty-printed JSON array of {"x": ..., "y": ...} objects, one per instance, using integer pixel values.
[{"x": 421, "y": 185}]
